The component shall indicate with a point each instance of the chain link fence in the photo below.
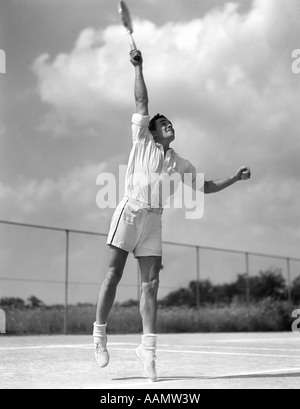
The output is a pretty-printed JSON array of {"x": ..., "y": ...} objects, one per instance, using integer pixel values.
[{"x": 66, "y": 266}]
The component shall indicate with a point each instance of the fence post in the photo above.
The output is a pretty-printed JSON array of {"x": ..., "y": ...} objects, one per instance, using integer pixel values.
[
  {"x": 66, "y": 284},
  {"x": 198, "y": 277},
  {"x": 247, "y": 280},
  {"x": 289, "y": 280}
]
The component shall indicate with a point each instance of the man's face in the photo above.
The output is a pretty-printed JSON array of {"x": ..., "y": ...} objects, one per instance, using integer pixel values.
[{"x": 164, "y": 130}]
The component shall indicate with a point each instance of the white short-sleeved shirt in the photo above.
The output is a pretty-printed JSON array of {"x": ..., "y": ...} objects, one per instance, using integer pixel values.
[{"x": 148, "y": 169}]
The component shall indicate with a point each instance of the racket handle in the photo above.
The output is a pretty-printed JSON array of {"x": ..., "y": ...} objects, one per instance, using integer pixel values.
[
  {"x": 131, "y": 42},
  {"x": 133, "y": 46}
]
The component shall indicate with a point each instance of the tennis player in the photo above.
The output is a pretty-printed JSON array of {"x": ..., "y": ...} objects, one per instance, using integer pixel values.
[{"x": 136, "y": 224}]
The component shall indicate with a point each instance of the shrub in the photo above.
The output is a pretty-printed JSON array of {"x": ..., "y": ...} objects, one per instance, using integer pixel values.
[{"x": 265, "y": 315}]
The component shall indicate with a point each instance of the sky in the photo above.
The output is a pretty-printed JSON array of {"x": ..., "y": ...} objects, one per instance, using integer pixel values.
[{"x": 221, "y": 71}]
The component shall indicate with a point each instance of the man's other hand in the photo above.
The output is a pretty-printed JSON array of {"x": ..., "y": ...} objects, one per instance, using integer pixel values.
[{"x": 243, "y": 173}]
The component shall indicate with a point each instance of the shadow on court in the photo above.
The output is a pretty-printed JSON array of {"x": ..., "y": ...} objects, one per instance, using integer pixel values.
[
  {"x": 161, "y": 378},
  {"x": 249, "y": 376}
]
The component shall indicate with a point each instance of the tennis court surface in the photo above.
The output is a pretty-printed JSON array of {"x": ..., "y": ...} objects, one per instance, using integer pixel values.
[{"x": 184, "y": 361}]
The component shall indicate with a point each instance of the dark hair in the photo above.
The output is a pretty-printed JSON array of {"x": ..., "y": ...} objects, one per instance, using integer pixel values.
[{"x": 152, "y": 124}]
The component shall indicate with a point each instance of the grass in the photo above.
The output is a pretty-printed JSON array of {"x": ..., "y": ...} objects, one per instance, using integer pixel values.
[{"x": 267, "y": 315}]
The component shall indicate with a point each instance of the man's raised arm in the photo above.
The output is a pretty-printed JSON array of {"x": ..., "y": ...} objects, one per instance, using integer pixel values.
[{"x": 140, "y": 90}]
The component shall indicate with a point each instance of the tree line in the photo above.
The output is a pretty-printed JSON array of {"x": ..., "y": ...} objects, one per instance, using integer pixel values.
[{"x": 267, "y": 284}]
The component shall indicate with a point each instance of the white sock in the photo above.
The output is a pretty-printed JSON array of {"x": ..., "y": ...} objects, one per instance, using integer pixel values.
[
  {"x": 149, "y": 341},
  {"x": 99, "y": 332}
]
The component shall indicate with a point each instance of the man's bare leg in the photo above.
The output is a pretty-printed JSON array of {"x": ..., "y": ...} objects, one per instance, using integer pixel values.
[
  {"x": 149, "y": 267},
  {"x": 107, "y": 293},
  {"x": 106, "y": 297}
]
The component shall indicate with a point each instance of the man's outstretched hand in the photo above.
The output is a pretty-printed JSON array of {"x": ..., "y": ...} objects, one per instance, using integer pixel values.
[
  {"x": 243, "y": 173},
  {"x": 136, "y": 58}
]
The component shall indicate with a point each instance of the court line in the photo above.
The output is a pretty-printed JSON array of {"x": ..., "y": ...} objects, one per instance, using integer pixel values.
[
  {"x": 87, "y": 346},
  {"x": 62, "y": 346},
  {"x": 43, "y": 347},
  {"x": 293, "y": 339},
  {"x": 269, "y": 371},
  {"x": 90, "y": 345},
  {"x": 224, "y": 353},
  {"x": 210, "y": 347},
  {"x": 235, "y": 347},
  {"x": 214, "y": 353}
]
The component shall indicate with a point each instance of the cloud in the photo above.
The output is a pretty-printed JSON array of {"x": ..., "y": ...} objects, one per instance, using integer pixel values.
[
  {"x": 221, "y": 66},
  {"x": 86, "y": 84},
  {"x": 69, "y": 200},
  {"x": 226, "y": 82}
]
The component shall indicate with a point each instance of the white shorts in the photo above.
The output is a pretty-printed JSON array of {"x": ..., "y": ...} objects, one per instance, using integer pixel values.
[{"x": 136, "y": 229}]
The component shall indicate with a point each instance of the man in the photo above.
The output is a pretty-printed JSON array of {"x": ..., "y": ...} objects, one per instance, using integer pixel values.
[{"x": 136, "y": 223}]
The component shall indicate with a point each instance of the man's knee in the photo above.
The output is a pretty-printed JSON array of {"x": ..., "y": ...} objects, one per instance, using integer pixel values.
[
  {"x": 151, "y": 287},
  {"x": 113, "y": 276}
]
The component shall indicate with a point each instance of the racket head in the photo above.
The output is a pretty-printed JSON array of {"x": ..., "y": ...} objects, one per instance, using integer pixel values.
[{"x": 125, "y": 16}]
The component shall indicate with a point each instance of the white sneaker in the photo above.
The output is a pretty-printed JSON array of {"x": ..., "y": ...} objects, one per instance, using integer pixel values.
[
  {"x": 101, "y": 353},
  {"x": 148, "y": 360}
]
